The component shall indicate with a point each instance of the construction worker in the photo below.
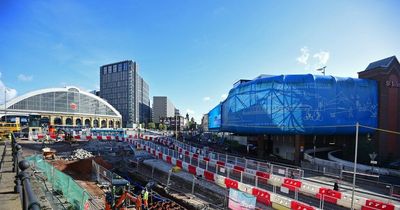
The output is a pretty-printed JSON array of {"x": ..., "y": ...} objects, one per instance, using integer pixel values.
[
  {"x": 146, "y": 198},
  {"x": 336, "y": 186},
  {"x": 139, "y": 202}
]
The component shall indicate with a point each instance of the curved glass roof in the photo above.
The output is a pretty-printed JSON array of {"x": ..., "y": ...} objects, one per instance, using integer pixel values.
[{"x": 68, "y": 100}]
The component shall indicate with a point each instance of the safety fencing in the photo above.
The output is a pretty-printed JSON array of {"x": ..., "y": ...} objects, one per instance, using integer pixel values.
[
  {"x": 207, "y": 167},
  {"x": 103, "y": 176},
  {"x": 245, "y": 171},
  {"x": 71, "y": 191},
  {"x": 291, "y": 172},
  {"x": 263, "y": 196}
]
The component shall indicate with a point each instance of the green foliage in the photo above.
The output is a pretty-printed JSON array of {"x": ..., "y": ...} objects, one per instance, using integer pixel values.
[
  {"x": 162, "y": 127},
  {"x": 151, "y": 125}
]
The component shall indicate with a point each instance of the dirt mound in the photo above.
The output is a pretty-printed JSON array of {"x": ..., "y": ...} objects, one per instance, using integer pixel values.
[{"x": 80, "y": 169}]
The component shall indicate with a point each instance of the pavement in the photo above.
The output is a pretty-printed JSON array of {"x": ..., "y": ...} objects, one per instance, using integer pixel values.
[{"x": 8, "y": 198}]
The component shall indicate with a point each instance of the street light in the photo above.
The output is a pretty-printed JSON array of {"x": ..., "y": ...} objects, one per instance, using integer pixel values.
[
  {"x": 176, "y": 128},
  {"x": 322, "y": 70},
  {"x": 355, "y": 167},
  {"x": 5, "y": 104},
  {"x": 315, "y": 138}
]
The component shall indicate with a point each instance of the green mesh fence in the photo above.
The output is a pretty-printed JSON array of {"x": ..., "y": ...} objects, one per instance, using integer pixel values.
[{"x": 62, "y": 183}]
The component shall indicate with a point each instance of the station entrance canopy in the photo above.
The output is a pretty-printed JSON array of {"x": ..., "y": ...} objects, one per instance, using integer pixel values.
[{"x": 297, "y": 104}]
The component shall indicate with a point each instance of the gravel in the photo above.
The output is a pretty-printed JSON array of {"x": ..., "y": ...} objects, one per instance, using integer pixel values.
[{"x": 80, "y": 154}]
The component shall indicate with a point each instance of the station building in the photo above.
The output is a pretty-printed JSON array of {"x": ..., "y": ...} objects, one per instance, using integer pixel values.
[
  {"x": 68, "y": 106},
  {"x": 285, "y": 115}
]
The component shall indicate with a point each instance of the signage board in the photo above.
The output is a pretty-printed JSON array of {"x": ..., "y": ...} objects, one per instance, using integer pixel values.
[
  {"x": 241, "y": 201},
  {"x": 285, "y": 190}
]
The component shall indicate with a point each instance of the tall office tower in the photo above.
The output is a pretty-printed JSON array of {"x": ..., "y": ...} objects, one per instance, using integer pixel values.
[
  {"x": 144, "y": 102},
  {"x": 162, "y": 108},
  {"x": 123, "y": 88}
]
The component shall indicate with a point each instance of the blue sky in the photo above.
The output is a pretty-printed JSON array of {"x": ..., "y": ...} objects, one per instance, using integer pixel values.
[{"x": 190, "y": 51}]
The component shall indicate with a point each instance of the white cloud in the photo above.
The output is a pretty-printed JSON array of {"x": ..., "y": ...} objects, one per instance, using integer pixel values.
[
  {"x": 223, "y": 96},
  {"x": 312, "y": 60},
  {"x": 207, "y": 98},
  {"x": 322, "y": 57},
  {"x": 303, "y": 58},
  {"x": 190, "y": 112},
  {"x": 10, "y": 92},
  {"x": 25, "y": 78}
]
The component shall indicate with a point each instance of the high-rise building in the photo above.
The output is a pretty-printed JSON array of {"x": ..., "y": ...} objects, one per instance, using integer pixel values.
[
  {"x": 144, "y": 102},
  {"x": 123, "y": 87},
  {"x": 162, "y": 108}
]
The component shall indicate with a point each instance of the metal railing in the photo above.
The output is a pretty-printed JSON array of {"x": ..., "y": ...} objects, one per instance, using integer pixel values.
[
  {"x": 2, "y": 161},
  {"x": 240, "y": 176},
  {"x": 23, "y": 186},
  {"x": 292, "y": 172}
]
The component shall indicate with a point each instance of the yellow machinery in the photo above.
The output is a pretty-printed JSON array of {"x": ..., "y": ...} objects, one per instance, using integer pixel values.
[{"x": 6, "y": 128}]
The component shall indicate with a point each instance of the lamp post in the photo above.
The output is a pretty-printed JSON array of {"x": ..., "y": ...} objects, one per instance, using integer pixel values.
[
  {"x": 355, "y": 167},
  {"x": 176, "y": 128},
  {"x": 322, "y": 70},
  {"x": 315, "y": 138},
  {"x": 5, "y": 104}
]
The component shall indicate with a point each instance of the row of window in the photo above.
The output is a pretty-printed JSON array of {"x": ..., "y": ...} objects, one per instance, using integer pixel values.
[
  {"x": 115, "y": 68},
  {"x": 63, "y": 102},
  {"x": 115, "y": 77}
]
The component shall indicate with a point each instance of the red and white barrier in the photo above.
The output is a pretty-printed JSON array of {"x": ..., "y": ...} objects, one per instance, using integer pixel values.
[{"x": 265, "y": 197}]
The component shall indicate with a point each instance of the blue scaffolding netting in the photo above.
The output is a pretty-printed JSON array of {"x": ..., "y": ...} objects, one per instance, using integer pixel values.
[{"x": 298, "y": 104}]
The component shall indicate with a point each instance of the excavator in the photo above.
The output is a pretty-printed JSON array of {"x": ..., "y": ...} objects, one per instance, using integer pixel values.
[{"x": 120, "y": 196}]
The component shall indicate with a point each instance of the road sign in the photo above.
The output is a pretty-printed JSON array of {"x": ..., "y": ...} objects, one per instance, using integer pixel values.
[{"x": 374, "y": 162}]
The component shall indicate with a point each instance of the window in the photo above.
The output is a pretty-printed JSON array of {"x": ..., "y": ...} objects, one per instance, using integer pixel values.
[
  {"x": 114, "y": 68},
  {"x": 119, "y": 67},
  {"x": 109, "y": 69}
]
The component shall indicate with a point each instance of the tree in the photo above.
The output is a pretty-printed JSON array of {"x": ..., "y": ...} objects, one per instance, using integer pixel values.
[
  {"x": 162, "y": 127},
  {"x": 192, "y": 124},
  {"x": 151, "y": 125}
]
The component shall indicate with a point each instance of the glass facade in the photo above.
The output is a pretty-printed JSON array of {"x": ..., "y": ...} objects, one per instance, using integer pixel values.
[
  {"x": 68, "y": 101},
  {"x": 125, "y": 90}
]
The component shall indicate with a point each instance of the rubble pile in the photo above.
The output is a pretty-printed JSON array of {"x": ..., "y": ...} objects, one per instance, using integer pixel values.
[{"x": 80, "y": 154}]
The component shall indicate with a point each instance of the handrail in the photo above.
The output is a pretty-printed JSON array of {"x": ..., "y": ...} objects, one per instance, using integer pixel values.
[
  {"x": 23, "y": 186},
  {"x": 300, "y": 173},
  {"x": 2, "y": 161}
]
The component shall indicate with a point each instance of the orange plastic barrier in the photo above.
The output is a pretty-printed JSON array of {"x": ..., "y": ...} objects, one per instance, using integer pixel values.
[
  {"x": 291, "y": 184},
  {"x": 230, "y": 183},
  {"x": 329, "y": 195},
  {"x": 296, "y": 205},
  {"x": 375, "y": 205},
  {"x": 262, "y": 196},
  {"x": 209, "y": 176}
]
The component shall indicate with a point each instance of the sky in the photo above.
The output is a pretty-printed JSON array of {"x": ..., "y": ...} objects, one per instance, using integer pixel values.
[{"x": 191, "y": 51}]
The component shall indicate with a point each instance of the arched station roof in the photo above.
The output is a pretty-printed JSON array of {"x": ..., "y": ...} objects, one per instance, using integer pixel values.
[{"x": 66, "y": 100}]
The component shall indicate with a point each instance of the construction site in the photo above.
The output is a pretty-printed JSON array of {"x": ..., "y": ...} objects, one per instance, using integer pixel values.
[
  {"x": 151, "y": 171},
  {"x": 111, "y": 170}
]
